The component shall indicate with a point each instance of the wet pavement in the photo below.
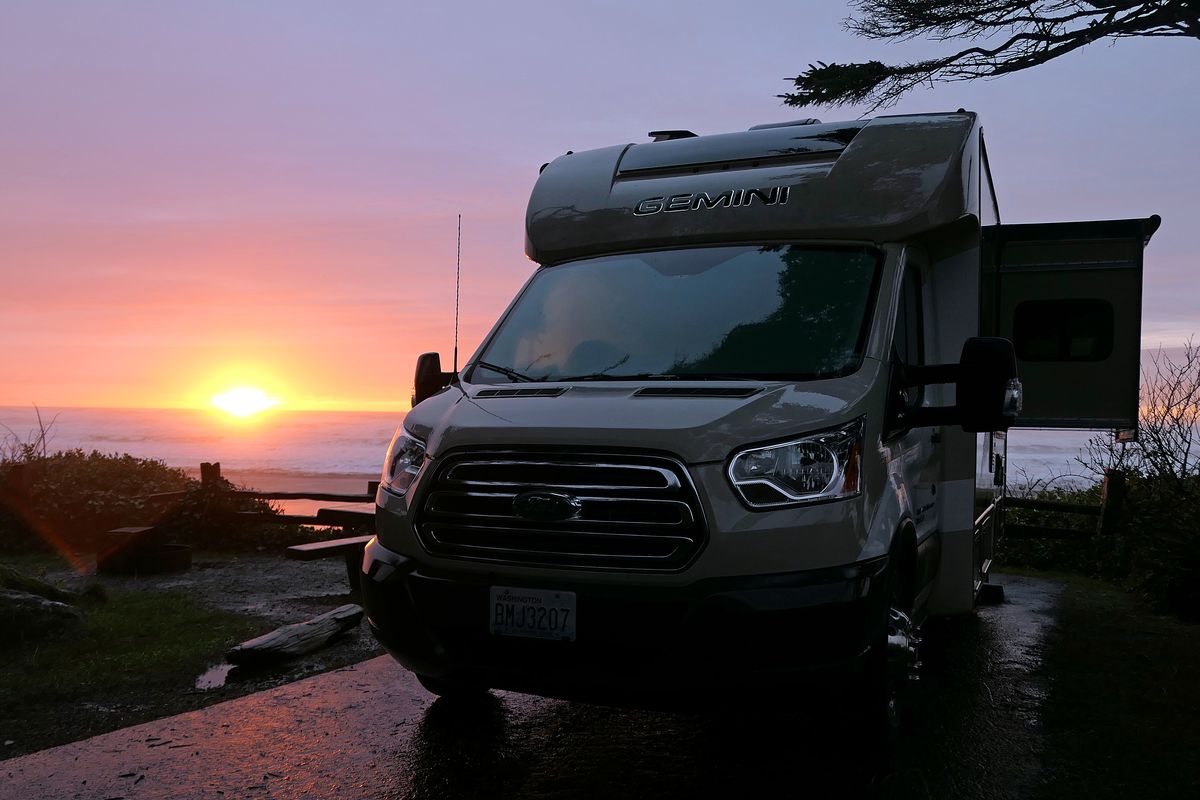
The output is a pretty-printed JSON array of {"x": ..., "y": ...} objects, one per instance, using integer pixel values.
[{"x": 371, "y": 731}]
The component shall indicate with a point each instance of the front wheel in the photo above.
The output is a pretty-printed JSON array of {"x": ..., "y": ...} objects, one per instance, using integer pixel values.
[
  {"x": 903, "y": 663},
  {"x": 891, "y": 668}
]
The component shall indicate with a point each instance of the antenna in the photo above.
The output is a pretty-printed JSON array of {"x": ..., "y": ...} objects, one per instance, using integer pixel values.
[{"x": 457, "y": 284}]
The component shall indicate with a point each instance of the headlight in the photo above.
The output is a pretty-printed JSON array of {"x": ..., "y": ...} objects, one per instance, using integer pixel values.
[
  {"x": 820, "y": 466},
  {"x": 405, "y": 456}
]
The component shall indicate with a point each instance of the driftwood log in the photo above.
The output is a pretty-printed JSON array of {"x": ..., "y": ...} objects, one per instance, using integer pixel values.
[
  {"x": 11, "y": 579},
  {"x": 296, "y": 639}
]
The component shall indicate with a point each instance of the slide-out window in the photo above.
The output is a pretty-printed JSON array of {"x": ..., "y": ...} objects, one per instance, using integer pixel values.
[{"x": 1063, "y": 330}]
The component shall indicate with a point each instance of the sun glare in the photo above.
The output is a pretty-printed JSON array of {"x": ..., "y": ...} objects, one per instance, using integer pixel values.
[{"x": 244, "y": 401}]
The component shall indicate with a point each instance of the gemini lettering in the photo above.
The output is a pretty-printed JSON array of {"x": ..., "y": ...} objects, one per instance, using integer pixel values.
[{"x": 731, "y": 198}]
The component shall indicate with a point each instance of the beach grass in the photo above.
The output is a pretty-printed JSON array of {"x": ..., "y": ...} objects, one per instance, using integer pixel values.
[
  {"x": 1123, "y": 708},
  {"x": 132, "y": 647}
]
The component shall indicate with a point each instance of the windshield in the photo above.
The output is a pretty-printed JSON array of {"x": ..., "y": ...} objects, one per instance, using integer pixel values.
[{"x": 777, "y": 311}]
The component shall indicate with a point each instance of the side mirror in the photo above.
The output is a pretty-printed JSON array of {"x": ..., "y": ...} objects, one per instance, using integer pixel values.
[
  {"x": 987, "y": 393},
  {"x": 429, "y": 378},
  {"x": 986, "y": 389}
]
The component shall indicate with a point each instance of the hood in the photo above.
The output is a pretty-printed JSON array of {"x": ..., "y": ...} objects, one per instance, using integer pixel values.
[{"x": 687, "y": 419}]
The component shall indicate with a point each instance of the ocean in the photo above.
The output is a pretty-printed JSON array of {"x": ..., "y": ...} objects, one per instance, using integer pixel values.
[
  {"x": 327, "y": 451},
  {"x": 340, "y": 451}
]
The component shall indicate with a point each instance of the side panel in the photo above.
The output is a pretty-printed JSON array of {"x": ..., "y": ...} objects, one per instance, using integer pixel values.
[
  {"x": 1069, "y": 296},
  {"x": 953, "y": 318}
]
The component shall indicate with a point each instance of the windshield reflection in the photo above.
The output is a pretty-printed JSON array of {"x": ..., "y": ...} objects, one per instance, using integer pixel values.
[{"x": 776, "y": 311}]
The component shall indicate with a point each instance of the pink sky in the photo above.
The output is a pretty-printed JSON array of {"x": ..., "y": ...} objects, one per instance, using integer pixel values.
[{"x": 196, "y": 195}]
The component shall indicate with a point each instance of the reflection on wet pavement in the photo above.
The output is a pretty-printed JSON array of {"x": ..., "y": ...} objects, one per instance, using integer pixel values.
[
  {"x": 369, "y": 731},
  {"x": 976, "y": 733}
]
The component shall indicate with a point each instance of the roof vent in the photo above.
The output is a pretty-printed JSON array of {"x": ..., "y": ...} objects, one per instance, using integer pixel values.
[
  {"x": 766, "y": 125},
  {"x": 666, "y": 136}
]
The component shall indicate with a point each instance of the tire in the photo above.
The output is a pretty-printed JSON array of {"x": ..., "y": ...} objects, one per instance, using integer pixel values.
[{"x": 891, "y": 667}]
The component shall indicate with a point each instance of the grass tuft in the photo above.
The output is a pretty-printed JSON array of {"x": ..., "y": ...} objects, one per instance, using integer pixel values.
[{"x": 132, "y": 646}]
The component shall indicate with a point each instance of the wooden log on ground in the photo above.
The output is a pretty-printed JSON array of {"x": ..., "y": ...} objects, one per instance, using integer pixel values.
[
  {"x": 296, "y": 639},
  {"x": 11, "y": 579}
]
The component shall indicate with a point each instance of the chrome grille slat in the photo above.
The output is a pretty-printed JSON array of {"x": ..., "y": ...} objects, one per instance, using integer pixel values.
[
  {"x": 553, "y": 547},
  {"x": 563, "y": 535},
  {"x": 552, "y": 473},
  {"x": 446, "y": 505},
  {"x": 635, "y": 511},
  {"x": 552, "y": 558}
]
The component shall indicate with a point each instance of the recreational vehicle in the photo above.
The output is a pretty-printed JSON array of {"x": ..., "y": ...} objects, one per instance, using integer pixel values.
[{"x": 735, "y": 429}]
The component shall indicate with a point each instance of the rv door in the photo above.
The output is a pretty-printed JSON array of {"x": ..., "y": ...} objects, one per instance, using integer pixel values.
[{"x": 1069, "y": 296}]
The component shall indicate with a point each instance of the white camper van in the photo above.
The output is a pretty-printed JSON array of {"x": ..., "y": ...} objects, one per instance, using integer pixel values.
[{"x": 727, "y": 435}]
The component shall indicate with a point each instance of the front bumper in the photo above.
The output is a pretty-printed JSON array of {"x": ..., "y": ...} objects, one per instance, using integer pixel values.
[{"x": 802, "y": 632}]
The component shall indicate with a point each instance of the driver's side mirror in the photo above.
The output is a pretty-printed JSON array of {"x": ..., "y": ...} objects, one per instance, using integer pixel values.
[
  {"x": 429, "y": 378},
  {"x": 987, "y": 393}
]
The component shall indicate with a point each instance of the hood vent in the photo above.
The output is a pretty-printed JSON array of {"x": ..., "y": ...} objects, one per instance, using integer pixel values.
[
  {"x": 697, "y": 391},
  {"x": 549, "y": 391}
]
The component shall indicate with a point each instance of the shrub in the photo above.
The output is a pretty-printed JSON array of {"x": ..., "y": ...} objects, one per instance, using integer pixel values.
[
  {"x": 67, "y": 499},
  {"x": 1154, "y": 548},
  {"x": 1074, "y": 555}
]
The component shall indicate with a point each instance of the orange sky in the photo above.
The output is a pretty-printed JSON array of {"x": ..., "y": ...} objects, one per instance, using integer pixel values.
[
  {"x": 171, "y": 319},
  {"x": 199, "y": 196}
]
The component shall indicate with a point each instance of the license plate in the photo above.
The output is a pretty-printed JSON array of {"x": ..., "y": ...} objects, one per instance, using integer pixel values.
[{"x": 535, "y": 613}]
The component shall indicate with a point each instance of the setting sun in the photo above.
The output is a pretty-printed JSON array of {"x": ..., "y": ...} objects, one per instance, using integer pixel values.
[{"x": 244, "y": 401}]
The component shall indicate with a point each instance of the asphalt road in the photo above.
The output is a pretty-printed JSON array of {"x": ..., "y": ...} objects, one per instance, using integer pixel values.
[{"x": 370, "y": 731}]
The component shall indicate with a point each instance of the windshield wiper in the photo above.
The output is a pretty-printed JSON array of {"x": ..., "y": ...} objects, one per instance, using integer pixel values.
[
  {"x": 720, "y": 376},
  {"x": 604, "y": 376},
  {"x": 511, "y": 374}
]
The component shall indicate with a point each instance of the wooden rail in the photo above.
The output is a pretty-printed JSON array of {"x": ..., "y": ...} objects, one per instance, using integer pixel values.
[
  {"x": 210, "y": 481},
  {"x": 1112, "y": 499},
  {"x": 1035, "y": 504},
  {"x": 325, "y": 496}
]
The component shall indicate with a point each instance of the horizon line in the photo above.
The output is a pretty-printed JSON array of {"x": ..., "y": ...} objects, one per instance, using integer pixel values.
[{"x": 275, "y": 410}]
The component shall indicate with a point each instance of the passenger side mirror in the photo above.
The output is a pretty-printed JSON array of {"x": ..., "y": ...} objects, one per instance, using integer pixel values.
[
  {"x": 986, "y": 389},
  {"x": 429, "y": 378},
  {"x": 987, "y": 393}
]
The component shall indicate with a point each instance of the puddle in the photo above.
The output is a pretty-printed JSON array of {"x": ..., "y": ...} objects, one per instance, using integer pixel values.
[{"x": 214, "y": 677}]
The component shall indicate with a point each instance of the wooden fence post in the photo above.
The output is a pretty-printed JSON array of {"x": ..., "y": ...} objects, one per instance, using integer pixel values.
[
  {"x": 210, "y": 476},
  {"x": 20, "y": 478},
  {"x": 1112, "y": 501}
]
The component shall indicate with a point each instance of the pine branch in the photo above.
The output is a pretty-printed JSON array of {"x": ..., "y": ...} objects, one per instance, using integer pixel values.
[{"x": 1038, "y": 31}]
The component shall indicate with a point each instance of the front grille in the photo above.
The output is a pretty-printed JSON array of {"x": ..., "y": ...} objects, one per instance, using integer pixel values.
[{"x": 635, "y": 512}]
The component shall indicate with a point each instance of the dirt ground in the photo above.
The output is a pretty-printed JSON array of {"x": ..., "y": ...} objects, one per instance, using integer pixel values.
[
  {"x": 1066, "y": 690},
  {"x": 278, "y": 592},
  {"x": 270, "y": 589},
  {"x": 1069, "y": 689},
  {"x": 264, "y": 585}
]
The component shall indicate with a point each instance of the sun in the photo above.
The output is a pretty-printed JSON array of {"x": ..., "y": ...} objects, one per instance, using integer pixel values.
[{"x": 244, "y": 401}]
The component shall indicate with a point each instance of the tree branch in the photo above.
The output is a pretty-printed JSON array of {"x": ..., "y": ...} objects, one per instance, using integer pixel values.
[{"x": 1039, "y": 31}]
